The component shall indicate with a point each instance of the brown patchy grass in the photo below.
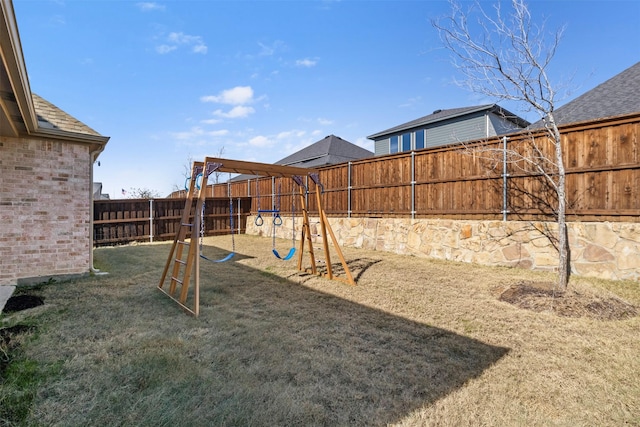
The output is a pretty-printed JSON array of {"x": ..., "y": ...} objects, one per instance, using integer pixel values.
[{"x": 417, "y": 342}]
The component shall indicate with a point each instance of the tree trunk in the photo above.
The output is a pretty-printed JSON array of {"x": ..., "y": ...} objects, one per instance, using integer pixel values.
[{"x": 563, "y": 238}]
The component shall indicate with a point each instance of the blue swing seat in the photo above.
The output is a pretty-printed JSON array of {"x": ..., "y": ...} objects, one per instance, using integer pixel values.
[
  {"x": 287, "y": 257},
  {"x": 227, "y": 258}
]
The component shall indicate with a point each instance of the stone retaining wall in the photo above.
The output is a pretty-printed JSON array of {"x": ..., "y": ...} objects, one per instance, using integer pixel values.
[{"x": 605, "y": 250}]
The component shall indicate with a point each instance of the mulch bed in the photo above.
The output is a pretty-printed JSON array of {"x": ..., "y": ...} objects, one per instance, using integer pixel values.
[
  {"x": 541, "y": 296},
  {"x": 22, "y": 302}
]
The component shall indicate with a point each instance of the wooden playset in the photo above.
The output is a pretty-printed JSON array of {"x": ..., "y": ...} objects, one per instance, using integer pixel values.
[{"x": 183, "y": 263}]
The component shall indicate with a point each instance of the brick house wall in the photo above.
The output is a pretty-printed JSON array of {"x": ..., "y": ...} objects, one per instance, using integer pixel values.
[{"x": 45, "y": 209}]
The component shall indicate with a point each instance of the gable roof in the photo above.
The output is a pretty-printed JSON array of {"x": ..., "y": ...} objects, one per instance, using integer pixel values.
[
  {"x": 328, "y": 151},
  {"x": 615, "y": 97},
  {"x": 51, "y": 117},
  {"x": 23, "y": 113},
  {"x": 442, "y": 115}
]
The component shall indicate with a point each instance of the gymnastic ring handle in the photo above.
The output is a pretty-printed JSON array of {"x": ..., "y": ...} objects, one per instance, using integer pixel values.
[
  {"x": 199, "y": 184},
  {"x": 259, "y": 221},
  {"x": 186, "y": 186},
  {"x": 277, "y": 220}
]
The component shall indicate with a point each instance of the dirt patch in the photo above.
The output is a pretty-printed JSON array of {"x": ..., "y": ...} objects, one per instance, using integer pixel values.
[
  {"x": 22, "y": 302},
  {"x": 541, "y": 296}
]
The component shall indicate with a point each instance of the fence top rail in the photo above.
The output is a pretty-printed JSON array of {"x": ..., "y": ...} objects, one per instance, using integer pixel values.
[{"x": 262, "y": 169}]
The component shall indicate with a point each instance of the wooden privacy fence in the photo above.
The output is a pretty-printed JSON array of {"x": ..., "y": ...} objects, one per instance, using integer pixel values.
[
  {"x": 477, "y": 180},
  {"x": 129, "y": 220}
]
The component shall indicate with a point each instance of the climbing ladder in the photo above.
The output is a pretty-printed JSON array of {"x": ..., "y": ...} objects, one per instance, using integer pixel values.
[{"x": 186, "y": 242}]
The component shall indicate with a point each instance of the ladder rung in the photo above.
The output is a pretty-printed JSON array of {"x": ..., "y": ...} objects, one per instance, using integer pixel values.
[
  {"x": 183, "y": 243},
  {"x": 187, "y": 225},
  {"x": 180, "y": 261},
  {"x": 177, "y": 280}
]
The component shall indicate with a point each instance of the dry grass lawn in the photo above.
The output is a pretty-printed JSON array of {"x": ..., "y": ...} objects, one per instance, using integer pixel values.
[{"x": 416, "y": 342}]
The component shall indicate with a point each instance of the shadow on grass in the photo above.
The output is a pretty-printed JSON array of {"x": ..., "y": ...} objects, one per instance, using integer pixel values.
[
  {"x": 264, "y": 351},
  {"x": 296, "y": 355}
]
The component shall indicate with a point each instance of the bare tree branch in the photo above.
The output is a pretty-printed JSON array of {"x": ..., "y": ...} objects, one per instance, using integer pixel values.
[{"x": 506, "y": 56}]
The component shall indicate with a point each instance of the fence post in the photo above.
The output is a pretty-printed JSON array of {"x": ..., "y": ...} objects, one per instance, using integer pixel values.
[
  {"x": 151, "y": 220},
  {"x": 273, "y": 193},
  {"x": 306, "y": 194},
  {"x": 505, "y": 176},
  {"x": 238, "y": 222},
  {"x": 413, "y": 185},
  {"x": 349, "y": 191}
]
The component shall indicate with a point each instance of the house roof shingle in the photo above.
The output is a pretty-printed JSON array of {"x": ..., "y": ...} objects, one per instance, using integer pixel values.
[
  {"x": 52, "y": 117},
  {"x": 328, "y": 151},
  {"x": 615, "y": 97},
  {"x": 442, "y": 115}
]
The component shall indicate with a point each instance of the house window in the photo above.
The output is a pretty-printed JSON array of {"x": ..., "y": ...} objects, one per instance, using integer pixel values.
[
  {"x": 419, "y": 139},
  {"x": 393, "y": 144},
  {"x": 406, "y": 142}
]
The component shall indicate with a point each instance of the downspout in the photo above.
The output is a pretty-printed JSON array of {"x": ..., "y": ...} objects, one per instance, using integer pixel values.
[{"x": 93, "y": 155}]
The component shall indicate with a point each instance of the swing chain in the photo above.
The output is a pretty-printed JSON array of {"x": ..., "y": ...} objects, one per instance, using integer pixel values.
[
  {"x": 259, "y": 220},
  {"x": 202, "y": 224},
  {"x": 233, "y": 240}
]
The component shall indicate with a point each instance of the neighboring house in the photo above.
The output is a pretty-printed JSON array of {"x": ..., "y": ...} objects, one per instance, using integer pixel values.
[
  {"x": 46, "y": 171},
  {"x": 620, "y": 95},
  {"x": 330, "y": 150},
  {"x": 445, "y": 127},
  {"x": 97, "y": 192}
]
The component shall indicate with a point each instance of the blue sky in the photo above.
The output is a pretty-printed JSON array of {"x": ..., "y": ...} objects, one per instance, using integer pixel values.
[{"x": 259, "y": 80}]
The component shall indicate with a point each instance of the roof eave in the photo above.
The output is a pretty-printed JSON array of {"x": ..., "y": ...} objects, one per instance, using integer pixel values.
[
  {"x": 96, "y": 141},
  {"x": 14, "y": 64}
]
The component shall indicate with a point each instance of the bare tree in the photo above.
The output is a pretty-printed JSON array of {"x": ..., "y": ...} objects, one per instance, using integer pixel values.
[
  {"x": 217, "y": 173},
  {"x": 187, "y": 167},
  {"x": 505, "y": 56},
  {"x": 143, "y": 193}
]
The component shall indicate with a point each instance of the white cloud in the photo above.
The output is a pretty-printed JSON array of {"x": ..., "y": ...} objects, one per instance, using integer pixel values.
[
  {"x": 411, "y": 102},
  {"x": 200, "y": 48},
  {"x": 176, "y": 39},
  {"x": 148, "y": 6},
  {"x": 325, "y": 122},
  {"x": 291, "y": 134},
  {"x": 238, "y": 95},
  {"x": 163, "y": 48},
  {"x": 198, "y": 132},
  {"x": 365, "y": 143},
  {"x": 210, "y": 121},
  {"x": 270, "y": 50},
  {"x": 221, "y": 132},
  {"x": 237, "y": 112},
  {"x": 266, "y": 50},
  {"x": 307, "y": 63},
  {"x": 182, "y": 38},
  {"x": 261, "y": 141}
]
